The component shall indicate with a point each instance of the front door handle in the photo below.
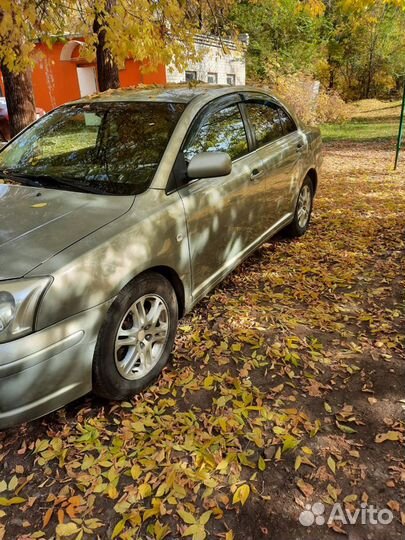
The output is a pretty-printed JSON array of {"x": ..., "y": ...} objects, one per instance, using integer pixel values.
[{"x": 256, "y": 174}]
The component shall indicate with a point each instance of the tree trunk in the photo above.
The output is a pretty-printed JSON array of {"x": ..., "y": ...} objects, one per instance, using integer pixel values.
[
  {"x": 369, "y": 75},
  {"x": 107, "y": 69},
  {"x": 331, "y": 83},
  {"x": 19, "y": 98}
]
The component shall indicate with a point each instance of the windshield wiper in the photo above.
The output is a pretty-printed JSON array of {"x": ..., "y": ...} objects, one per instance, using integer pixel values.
[
  {"x": 20, "y": 178},
  {"x": 68, "y": 182},
  {"x": 47, "y": 181}
]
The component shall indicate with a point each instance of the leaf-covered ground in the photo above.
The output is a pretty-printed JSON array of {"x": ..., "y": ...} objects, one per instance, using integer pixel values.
[{"x": 287, "y": 388}]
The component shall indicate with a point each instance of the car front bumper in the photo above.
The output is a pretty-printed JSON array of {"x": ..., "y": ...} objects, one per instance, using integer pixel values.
[{"x": 44, "y": 371}]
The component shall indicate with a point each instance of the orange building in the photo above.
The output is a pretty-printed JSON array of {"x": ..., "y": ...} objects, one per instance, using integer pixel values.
[{"x": 62, "y": 75}]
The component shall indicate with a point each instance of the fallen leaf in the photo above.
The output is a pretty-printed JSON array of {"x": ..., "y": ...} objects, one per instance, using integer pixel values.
[
  {"x": 394, "y": 506},
  {"x": 39, "y": 205},
  {"x": 10, "y": 502},
  {"x": 66, "y": 529},
  {"x": 241, "y": 494},
  {"x": 344, "y": 428},
  {"x": 187, "y": 517},
  {"x": 305, "y": 488},
  {"x": 47, "y": 517},
  {"x": 389, "y": 436},
  {"x": 331, "y": 464}
]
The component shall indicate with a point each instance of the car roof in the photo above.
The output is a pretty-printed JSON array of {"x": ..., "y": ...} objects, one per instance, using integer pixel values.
[
  {"x": 198, "y": 93},
  {"x": 171, "y": 93}
]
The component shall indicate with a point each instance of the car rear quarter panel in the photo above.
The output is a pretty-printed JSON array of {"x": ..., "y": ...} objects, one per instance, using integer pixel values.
[{"x": 314, "y": 158}]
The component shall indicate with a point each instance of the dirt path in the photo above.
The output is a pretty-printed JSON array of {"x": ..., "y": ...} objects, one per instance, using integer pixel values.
[{"x": 287, "y": 389}]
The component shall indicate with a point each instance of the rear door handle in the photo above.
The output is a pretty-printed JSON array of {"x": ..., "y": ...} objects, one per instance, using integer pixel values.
[
  {"x": 256, "y": 174},
  {"x": 300, "y": 147}
]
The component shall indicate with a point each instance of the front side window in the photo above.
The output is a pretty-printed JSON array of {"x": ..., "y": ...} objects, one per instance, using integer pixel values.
[
  {"x": 113, "y": 148},
  {"x": 266, "y": 121},
  {"x": 220, "y": 131}
]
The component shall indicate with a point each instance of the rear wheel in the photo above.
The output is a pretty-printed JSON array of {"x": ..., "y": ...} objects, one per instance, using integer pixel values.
[
  {"x": 136, "y": 338},
  {"x": 303, "y": 210}
]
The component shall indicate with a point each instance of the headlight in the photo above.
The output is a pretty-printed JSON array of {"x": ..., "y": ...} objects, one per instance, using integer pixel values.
[
  {"x": 7, "y": 310},
  {"x": 18, "y": 305}
]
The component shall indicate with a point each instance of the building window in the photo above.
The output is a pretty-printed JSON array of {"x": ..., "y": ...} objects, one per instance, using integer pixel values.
[
  {"x": 230, "y": 79},
  {"x": 191, "y": 76},
  {"x": 212, "y": 78}
]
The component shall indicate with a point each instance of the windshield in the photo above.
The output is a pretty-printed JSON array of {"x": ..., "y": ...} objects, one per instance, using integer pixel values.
[{"x": 112, "y": 148}]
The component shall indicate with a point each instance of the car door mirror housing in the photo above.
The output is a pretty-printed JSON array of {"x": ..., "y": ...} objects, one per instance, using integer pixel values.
[{"x": 209, "y": 165}]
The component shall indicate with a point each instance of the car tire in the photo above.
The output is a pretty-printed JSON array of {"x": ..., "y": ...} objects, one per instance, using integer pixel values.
[
  {"x": 127, "y": 358},
  {"x": 303, "y": 210}
]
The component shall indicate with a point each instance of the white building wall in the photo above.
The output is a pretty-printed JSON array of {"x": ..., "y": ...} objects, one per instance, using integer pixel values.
[{"x": 213, "y": 60}]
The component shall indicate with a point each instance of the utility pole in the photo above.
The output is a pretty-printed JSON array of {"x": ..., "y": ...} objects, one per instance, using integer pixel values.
[{"x": 401, "y": 130}]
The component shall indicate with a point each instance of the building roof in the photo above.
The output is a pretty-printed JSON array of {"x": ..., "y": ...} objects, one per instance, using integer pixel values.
[{"x": 174, "y": 93}]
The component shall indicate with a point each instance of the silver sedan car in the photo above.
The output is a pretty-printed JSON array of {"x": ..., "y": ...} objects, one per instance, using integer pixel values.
[{"x": 121, "y": 211}]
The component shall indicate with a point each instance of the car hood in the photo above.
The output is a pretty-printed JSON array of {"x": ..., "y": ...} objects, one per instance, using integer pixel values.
[{"x": 37, "y": 223}]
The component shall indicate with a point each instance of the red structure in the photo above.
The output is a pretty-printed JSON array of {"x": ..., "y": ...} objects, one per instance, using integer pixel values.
[{"x": 62, "y": 75}]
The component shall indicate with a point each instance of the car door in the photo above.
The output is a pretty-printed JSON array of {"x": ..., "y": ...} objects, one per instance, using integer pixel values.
[
  {"x": 279, "y": 145},
  {"x": 224, "y": 215}
]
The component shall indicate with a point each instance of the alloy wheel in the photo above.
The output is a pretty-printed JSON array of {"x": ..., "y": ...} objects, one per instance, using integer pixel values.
[
  {"x": 304, "y": 206},
  {"x": 141, "y": 337}
]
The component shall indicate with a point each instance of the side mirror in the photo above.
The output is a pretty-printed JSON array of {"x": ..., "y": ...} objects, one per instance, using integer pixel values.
[{"x": 209, "y": 165}]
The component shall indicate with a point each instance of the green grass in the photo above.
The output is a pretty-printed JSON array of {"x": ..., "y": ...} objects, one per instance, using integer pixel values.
[
  {"x": 369, "y": 120},
  {"x": 360, "y": 130}
]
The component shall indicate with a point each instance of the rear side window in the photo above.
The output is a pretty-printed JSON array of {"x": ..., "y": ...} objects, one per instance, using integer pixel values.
[
  {"x": 220, "y": 131},
  {"x": 287, "y": 122},
  {"x": 269, "y": 121},
  {"x": 266, "y": 122}
]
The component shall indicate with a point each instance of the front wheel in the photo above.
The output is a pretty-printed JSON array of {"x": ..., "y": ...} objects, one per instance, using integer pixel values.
[
  {"x": 303, "y": 210},
  {"x": 136, "y": 338}
]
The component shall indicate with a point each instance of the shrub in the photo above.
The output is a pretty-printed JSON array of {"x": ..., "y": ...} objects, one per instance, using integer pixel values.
[
  {"x": 312, "y": 103},
  {"x": 331, "y": 108}
]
